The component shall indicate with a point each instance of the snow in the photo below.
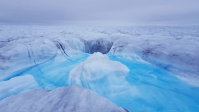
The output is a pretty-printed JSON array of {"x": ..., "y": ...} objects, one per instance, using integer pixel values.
[{"x": 73, "y": 98}]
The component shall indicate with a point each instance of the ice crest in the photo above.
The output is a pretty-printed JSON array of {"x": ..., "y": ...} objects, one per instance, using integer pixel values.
[
  {"x": 104, "y": 76},
  {"x": 73, "y": 98}
]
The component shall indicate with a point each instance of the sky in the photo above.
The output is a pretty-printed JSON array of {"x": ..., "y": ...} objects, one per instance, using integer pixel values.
[{"x": 99, "y": 12}]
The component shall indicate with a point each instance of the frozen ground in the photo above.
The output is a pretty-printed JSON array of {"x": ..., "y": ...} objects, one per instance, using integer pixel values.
[{"x": 149, "y": 68}]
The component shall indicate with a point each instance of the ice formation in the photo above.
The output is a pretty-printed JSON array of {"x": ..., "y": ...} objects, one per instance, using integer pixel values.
[
  {"x": 149, "y": 68},
  {"x": 17, "y": 85},
  {"x": 73, "y": 98},
  {"x": 174, "y": 54},
  {"x": 104, "y": 76}
]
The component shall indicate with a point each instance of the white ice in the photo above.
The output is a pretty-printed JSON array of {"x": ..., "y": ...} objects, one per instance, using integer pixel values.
[
  {"x": 104, "y": 76},
  {"x": 73, "y": 98}
]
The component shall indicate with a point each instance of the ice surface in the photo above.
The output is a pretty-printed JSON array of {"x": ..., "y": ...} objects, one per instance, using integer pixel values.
[
  {"x": 145, "y": 68},
  {"x": 176, "y": 56},
  {"x": 64, "y": 99},
  {"x": 17, "y": 85}
]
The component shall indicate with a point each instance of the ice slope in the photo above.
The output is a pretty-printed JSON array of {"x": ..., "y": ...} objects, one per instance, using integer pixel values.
[
  {"x": 73, "y": 98},
  {"x": 177, "y": 56},
  {"x": 32, "y": 52},
  {"x": 18, "y": 55},
  {"x": 17, "y": 85}
]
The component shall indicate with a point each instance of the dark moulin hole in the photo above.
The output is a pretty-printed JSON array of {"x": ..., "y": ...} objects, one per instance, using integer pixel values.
[{"x": 98, "y": 45}]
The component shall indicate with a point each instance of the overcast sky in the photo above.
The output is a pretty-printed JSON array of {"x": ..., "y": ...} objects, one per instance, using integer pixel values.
[{"x": 99, "y": 12}]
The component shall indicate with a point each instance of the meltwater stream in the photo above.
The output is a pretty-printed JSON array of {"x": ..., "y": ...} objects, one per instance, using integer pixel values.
[{"x": 137, "y": 86}]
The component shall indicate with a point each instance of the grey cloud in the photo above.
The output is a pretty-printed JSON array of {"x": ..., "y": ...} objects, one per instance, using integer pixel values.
[{"x": 127, "y": 12}]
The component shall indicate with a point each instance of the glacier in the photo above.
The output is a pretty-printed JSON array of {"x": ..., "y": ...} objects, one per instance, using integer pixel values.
[{"x": 141, "y": 68}]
